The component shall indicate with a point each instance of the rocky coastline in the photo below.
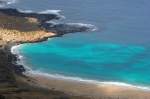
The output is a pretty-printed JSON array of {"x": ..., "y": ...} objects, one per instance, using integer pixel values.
[
  {"x": 30, "y": 27},
  {"x": 13, "y": 84}
]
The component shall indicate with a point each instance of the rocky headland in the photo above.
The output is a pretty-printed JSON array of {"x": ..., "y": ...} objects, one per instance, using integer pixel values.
[{"x": 15, "y": 28}]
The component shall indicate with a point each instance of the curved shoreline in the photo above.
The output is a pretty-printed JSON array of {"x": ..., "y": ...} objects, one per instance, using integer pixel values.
[
  {"x": 29, "y": 72},
  {"x": 58, "y": 85}
]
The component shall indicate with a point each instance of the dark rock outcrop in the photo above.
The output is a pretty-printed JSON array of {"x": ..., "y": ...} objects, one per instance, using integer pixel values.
[
  {"x": 41, "y": 17},
  {"x": 63, "y": 28},
  {"x": 59, "y": 28}
]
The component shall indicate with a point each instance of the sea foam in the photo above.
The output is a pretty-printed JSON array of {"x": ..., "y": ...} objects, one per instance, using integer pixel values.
[
  {"x": 25, "y": 11},
  {"x": 56, "y": 12},
  {"x": 89, "y": 26},
  {"x": 3, "y": 3},
  {"x": 50, "y": 12},
  {"x": 10, "y": 1},
  {"x": 77, "y": 27},
  {"x": 88, "y": 81},
  {"x": 15, "y": 50}
]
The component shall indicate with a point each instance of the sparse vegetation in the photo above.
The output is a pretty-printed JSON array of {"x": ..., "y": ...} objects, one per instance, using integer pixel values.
[{"x": 20, "y": 29}]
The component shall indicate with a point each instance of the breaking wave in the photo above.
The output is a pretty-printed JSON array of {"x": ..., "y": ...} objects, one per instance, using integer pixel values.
[
  {"x": 54, "y": 12},
  {"x": 90, "y": 27},
  {"x": 55, "y": 26},
  {"x": 89, "y": 81},
  {"x": 4, "y": 3}
]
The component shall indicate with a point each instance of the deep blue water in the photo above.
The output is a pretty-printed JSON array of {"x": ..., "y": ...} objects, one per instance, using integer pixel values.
[{"x": 118, "y": 51}]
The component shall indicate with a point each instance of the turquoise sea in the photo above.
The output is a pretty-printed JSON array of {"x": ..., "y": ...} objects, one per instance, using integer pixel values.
[{"x": 119, "y": 51}]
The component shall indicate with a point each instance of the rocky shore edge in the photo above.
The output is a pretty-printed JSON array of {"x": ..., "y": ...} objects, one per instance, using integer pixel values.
[
  {"x": 15, "y": 85},
  {"x": 46, "y": 21}
]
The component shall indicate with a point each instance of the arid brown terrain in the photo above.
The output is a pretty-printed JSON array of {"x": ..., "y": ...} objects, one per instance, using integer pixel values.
[{"x": 14, "y": 85}]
